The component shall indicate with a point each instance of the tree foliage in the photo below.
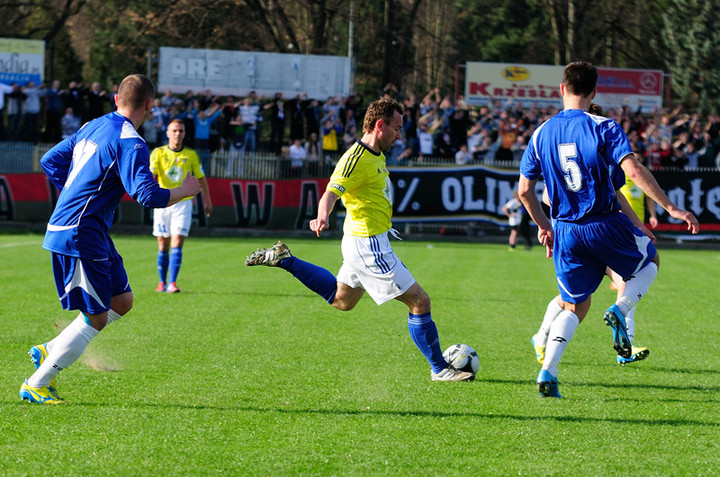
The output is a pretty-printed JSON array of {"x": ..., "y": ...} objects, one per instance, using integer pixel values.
[
  {"x": 414, "y": 44},
  {"x": 690, "y": 43}
]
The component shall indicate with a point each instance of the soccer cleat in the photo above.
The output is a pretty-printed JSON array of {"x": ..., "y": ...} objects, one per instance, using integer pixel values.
[
  {"x": 539, "y": 350},
  {"x": 621, "y": 342},
  {"x": 172, "y": 288},
  {"x": 160, "y": 288},
  {"x": 638, "y": 354},
  {"x": 451, "y": 374},
  {"x": 44, "y": 395},
  {"x": 547, "y": 384},
  {"x": 269, "y": 256},
  {"x": 38, "y": 353}
]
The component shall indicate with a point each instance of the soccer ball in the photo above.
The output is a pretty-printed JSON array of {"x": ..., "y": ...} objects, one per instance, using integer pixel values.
[{"x": 462, "y": 357}]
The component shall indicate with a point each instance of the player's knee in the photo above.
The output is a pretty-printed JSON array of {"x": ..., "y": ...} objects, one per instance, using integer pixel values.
[
  {"x": 122, "y": 311},
  {"x": 656, "y": 260},
  {"x": 96, "y": 321},
  {"x": 122, "y": 304},
  {"x": 579, "y": 309}
]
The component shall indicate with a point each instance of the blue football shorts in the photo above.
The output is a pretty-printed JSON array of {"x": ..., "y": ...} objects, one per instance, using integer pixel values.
[
  {"x": 89, "y": 285},
  {"x": 583, "y": 249}
]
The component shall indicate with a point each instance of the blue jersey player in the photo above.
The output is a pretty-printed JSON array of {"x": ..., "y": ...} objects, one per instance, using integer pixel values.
[
  {"x": 94, "y": 168},
  {"x": 573, "y": 150},
  {"x": 539, "y": 340}
]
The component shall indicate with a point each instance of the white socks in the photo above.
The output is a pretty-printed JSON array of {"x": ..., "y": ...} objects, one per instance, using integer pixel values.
[
  {"x": 552, "y": 311},
  {"x": 630, "y": 324},
  {"x": 561, "y": 332},
  {"x": 113, "y": 316},
  {"x": 636, "y": 288},
  {"x": 66, "y": 349}
]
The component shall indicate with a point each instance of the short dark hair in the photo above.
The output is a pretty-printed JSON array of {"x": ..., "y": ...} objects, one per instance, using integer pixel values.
[
  {"x": 580, "y": 78},
  {"x": 383, "y": 108},
  {"x": 134, "y": 91}
]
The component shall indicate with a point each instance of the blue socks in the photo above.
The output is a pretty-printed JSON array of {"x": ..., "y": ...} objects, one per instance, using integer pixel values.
[
  {"x": 175, "y": 262},
  {"x": 163, "y": 259},
  {"x": 422, "y": 328},
  {"x": 317, "y": 279},
  {"x": 425, "y": 335},
  {"x": 169, "y": 260}
]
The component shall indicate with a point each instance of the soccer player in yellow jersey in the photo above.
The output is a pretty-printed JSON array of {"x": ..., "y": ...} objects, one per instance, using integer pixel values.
[
  {"x": 170, "y": 165},
  {"x": 370, "y": 265},
  {"x": 638, "y": 200}
]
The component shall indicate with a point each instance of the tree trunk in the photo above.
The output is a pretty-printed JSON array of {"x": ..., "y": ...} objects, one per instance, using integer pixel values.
[
  {"x": 552, "y": 13},
  {"x": 571, "y": 51},
  {"x": 388, "y": 42},
  {"x": 319, "y": 24}
]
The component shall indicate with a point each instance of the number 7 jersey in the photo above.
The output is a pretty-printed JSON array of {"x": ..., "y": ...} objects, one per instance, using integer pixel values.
[
  {"x": 573, "y": 150},
  {"x": 93, "y": 169}
]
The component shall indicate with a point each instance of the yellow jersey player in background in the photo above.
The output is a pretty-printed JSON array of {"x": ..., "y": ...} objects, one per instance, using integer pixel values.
[
  {"x": 361, "y": 180},
  {"x": 170, "y": 165},
  {"x": 638, "y": 201}
]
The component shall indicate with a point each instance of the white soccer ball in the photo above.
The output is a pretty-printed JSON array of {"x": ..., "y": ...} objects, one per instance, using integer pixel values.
[{"x": 463, "y": 358}]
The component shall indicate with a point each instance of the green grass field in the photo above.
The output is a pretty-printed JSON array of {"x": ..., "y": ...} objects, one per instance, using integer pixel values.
[{"x": 248, "y": 373}]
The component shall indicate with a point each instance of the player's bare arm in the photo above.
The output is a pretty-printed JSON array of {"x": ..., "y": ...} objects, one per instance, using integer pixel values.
[
  {"x": 645, "y": 180},
  {"x": 206, "y": 196},
  {"x": 526, "y": 191},
  {"x": 650, "y": 206},
  {"x": 322, "y": 222}
]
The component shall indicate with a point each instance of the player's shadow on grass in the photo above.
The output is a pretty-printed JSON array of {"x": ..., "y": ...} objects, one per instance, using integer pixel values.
[
  {"x": 648, "y": 367},
  {"x": 644, "y": 399},
  {"x": 663, "y": 387},
  {"x": 415, "y": 414},
  {"x": 681, "y": 370},
  {"x": 253, "y": 293}
]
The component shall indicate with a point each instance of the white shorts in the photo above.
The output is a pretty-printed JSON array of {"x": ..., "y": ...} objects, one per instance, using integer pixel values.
[
  {"x": 173, "y": 220},
  {"x": 370, "y": 263}
]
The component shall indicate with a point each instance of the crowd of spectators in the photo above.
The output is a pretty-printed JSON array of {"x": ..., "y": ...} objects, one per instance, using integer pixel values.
[{"x": 311, "y": 132}]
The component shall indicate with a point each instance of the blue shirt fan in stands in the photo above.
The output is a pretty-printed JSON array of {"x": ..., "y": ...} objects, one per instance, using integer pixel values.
[
  {"x": 104, "y": 157},
  {"x": 586, "y": 175}
]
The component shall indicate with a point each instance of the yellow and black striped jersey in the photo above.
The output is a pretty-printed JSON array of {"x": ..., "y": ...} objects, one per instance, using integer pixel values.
[{"x": 362, "y": 181}]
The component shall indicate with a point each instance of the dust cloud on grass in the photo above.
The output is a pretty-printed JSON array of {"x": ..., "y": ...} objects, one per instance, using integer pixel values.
[{"x": 92, "y": 358}]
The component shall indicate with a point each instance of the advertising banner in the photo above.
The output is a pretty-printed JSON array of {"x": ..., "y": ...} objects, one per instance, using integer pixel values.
[
  {"x": 239, "y": 72},
  {"x": 451, "y": 194},
  {"x": 698, "y": 192},
  {"x": 443, "y": 194},
  {"x": 528, "y": 85},
  {"x": 522, "y": 84},
  {"x": 21, "y": 61},
  {"x": 641, "y": 89}
]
